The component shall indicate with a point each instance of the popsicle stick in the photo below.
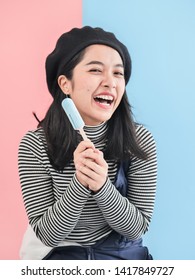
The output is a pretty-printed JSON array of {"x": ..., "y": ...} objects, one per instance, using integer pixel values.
[{"x": 82, "y": 132}]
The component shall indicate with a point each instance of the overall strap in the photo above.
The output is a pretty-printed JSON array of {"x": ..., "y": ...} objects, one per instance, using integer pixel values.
[{"x": 121, "y": 182}]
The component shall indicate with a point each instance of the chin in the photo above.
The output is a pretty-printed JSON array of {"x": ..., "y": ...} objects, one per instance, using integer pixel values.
[{"x": 97, "y": 121}]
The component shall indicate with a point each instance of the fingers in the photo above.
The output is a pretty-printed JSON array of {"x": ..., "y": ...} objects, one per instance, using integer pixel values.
[
  {"x": 83, "y": 145},
  {"x": 87, "y": 150},
  {"x": 93, "y": 180},
  {"x": 93, "y": 171},
  {"x": 93, "y": 155},
  {"x": 91, "y": 167},
  {"x": 78, "y": 155}
]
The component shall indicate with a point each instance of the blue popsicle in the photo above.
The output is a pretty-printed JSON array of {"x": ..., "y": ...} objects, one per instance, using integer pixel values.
[{"x": 74, "y": 116}]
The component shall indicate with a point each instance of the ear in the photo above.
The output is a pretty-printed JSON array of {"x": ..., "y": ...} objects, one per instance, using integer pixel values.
[{"x": 64, "y": 84}]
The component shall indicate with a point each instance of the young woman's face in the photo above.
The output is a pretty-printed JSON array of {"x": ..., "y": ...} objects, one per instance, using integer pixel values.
[{"x": 98, "y": 84}]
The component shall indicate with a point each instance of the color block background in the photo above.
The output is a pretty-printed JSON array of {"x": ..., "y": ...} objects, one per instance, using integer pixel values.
[
  {"x": 161, "y": 41},
  {"x": 30, "y": 30}
]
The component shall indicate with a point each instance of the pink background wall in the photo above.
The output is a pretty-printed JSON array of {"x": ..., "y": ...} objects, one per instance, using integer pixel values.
[{"x": 29, "y": 30}]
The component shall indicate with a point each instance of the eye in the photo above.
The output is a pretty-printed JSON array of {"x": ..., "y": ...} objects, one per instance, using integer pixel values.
[
  {"x": 95, "y": 70},
  {"x": 119, "y": 73}
]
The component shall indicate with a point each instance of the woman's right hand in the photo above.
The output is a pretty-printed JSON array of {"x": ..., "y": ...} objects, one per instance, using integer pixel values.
[{"x": 79, "y": 155}]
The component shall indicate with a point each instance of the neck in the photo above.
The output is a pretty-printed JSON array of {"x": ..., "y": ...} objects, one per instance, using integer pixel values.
[{"x": 96, "y": 133}]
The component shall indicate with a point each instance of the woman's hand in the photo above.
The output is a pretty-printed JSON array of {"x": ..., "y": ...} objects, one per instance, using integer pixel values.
[{"x": 91, "y": 168}]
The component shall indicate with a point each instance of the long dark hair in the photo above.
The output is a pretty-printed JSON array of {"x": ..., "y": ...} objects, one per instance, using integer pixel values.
[{"x": 62, "y": 139}]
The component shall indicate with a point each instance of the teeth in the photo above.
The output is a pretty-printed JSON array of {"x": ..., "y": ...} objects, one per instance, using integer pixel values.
[{"x": 105, "y": 97}]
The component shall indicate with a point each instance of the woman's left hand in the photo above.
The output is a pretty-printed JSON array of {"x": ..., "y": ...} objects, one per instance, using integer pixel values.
[{"x": 93, "y": 169}]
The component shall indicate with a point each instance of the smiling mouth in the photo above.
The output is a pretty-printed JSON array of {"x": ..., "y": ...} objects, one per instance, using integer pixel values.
[{"x": 104, "y": 99}]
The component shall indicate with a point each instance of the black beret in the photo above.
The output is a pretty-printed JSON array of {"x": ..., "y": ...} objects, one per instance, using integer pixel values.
[{"x": 74, "y": 41}]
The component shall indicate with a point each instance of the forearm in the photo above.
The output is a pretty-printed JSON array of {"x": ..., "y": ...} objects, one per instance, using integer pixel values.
[
  {"x": 122, "y": 215},
  {"x": 131, "y": 215},
  {"x": 54, "y": 220},
  {"x": 53, "y": 207},
  {"x": 60, "y": 218}
]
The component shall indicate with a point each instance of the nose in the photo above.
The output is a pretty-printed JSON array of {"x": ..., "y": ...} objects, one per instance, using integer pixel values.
[{"x": 109, "y": 81}]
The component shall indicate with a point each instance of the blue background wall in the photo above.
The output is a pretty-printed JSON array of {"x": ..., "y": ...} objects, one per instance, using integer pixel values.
[{"x": 160, "y": 36}]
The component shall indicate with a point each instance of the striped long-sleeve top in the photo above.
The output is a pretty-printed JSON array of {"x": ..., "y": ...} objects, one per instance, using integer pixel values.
[{"x": 59, "y": 208}]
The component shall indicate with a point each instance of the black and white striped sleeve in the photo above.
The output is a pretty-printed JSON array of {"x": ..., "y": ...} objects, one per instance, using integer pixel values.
[
  {"x": 52, "y": 220},
  {"x": 131, "y": 215}
]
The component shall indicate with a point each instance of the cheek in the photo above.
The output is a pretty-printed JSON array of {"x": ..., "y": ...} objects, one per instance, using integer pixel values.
[
  {"x": 119, "y": 100},
  {"x": 84, "y": 86},
  {"x": 123, "y": 86},
  {"x": 82, "y": 94},
  {"x": 121, "y": 90}
]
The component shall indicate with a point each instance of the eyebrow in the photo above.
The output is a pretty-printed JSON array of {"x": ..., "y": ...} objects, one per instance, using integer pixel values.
[{"x": 102, "y": 64}]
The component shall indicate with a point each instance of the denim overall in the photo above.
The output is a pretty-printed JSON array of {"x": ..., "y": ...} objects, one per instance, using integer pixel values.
[{"x": 112, "y": 247}]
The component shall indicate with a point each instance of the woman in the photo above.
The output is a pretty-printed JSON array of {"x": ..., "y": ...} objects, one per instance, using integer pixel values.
[{"x": 88, "y": 199}]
